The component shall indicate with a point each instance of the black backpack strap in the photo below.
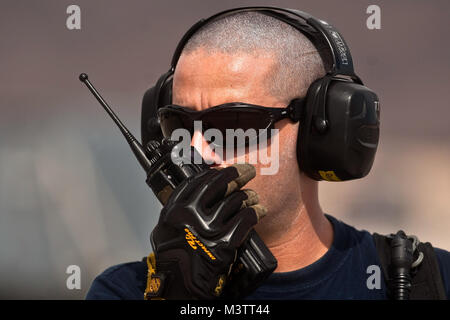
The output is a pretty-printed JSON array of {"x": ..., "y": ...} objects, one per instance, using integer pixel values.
[{"x": 426, "y": 279}]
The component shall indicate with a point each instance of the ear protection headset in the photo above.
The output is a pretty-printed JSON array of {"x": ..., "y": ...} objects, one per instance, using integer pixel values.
[{"x": 339, "y": 117}]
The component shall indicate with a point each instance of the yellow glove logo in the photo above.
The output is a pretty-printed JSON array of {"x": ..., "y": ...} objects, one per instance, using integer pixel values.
[
  {"x": 194, "y": 242},
  {"x": 220, "y": 285}
]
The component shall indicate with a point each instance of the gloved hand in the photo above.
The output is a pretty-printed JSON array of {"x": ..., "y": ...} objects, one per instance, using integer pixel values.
[{"x": 200, "y": 228}]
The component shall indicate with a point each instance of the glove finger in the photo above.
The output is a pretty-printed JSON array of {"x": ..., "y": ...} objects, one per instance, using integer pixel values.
[
  {"x": 240, "y": 225},
  {"x": 252, "y": 199},
  {"x": 224, "y": 210},
  {"x": 246, "y": 173},
  {"x": 224, "y": 182},
  {"x": 190, "y": 185}
]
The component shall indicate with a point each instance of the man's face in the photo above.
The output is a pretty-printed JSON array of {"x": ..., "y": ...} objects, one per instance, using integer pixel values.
[{"x": 203, "y": 80}]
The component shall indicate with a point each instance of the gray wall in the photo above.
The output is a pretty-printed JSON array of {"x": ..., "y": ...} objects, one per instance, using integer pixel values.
[{"x": 71, "y": 191}]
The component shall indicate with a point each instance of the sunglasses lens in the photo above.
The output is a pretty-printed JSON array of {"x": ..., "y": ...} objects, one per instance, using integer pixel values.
[
  {"x": 237, "y": 119},
  {"x": 249, "y": 120},
  {"x": 170, "y": 120},
  {"x": 243, "y": 123}
]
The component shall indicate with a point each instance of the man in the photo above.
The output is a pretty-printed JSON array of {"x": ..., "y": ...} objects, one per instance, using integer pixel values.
[{"x": 256, "y": 59}]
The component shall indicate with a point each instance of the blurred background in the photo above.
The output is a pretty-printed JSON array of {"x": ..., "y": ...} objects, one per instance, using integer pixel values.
[{"x": 72, "y": 193}]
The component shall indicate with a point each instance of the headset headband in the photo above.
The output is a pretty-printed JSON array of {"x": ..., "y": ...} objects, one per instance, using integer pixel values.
[{"x": 342, "y": 63}]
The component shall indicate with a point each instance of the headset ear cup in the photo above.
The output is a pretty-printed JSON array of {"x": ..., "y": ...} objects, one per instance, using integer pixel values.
[
  {"x": 155, "y": 98},
  {"x": 165, "y": 96},
  {"x": 346, "y": 150},
  {"x": 306, "y": 129},
  {"x": 150, "y": 129}
]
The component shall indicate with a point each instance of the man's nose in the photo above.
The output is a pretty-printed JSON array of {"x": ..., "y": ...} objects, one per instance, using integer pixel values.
[{"x": 199, "y": 142}]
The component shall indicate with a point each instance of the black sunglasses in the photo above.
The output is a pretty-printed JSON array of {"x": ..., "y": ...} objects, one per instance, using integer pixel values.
[{"x": 235, "y": 115}]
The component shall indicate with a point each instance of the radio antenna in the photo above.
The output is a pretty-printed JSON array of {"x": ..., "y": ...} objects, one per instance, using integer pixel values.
[{"x": 136, "y": 147}]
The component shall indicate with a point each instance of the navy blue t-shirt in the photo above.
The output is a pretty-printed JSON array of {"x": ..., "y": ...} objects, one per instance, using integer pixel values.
[{"x": 348, "y": 270}]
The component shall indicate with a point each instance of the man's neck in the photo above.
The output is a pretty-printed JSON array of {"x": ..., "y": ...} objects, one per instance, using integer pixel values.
[
  {"x": 298, "y": 238},
  {"x": 306, "y": 239}
]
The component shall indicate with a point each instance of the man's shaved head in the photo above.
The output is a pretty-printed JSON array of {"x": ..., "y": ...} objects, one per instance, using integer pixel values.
[{"x": 297, "y": 61}]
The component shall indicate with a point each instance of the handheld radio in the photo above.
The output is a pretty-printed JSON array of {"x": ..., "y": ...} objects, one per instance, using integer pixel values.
[{"x": 166, "y": 168}]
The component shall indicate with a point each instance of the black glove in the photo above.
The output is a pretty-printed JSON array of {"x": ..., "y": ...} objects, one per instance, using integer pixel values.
[{"x": 199, "y": 231}]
